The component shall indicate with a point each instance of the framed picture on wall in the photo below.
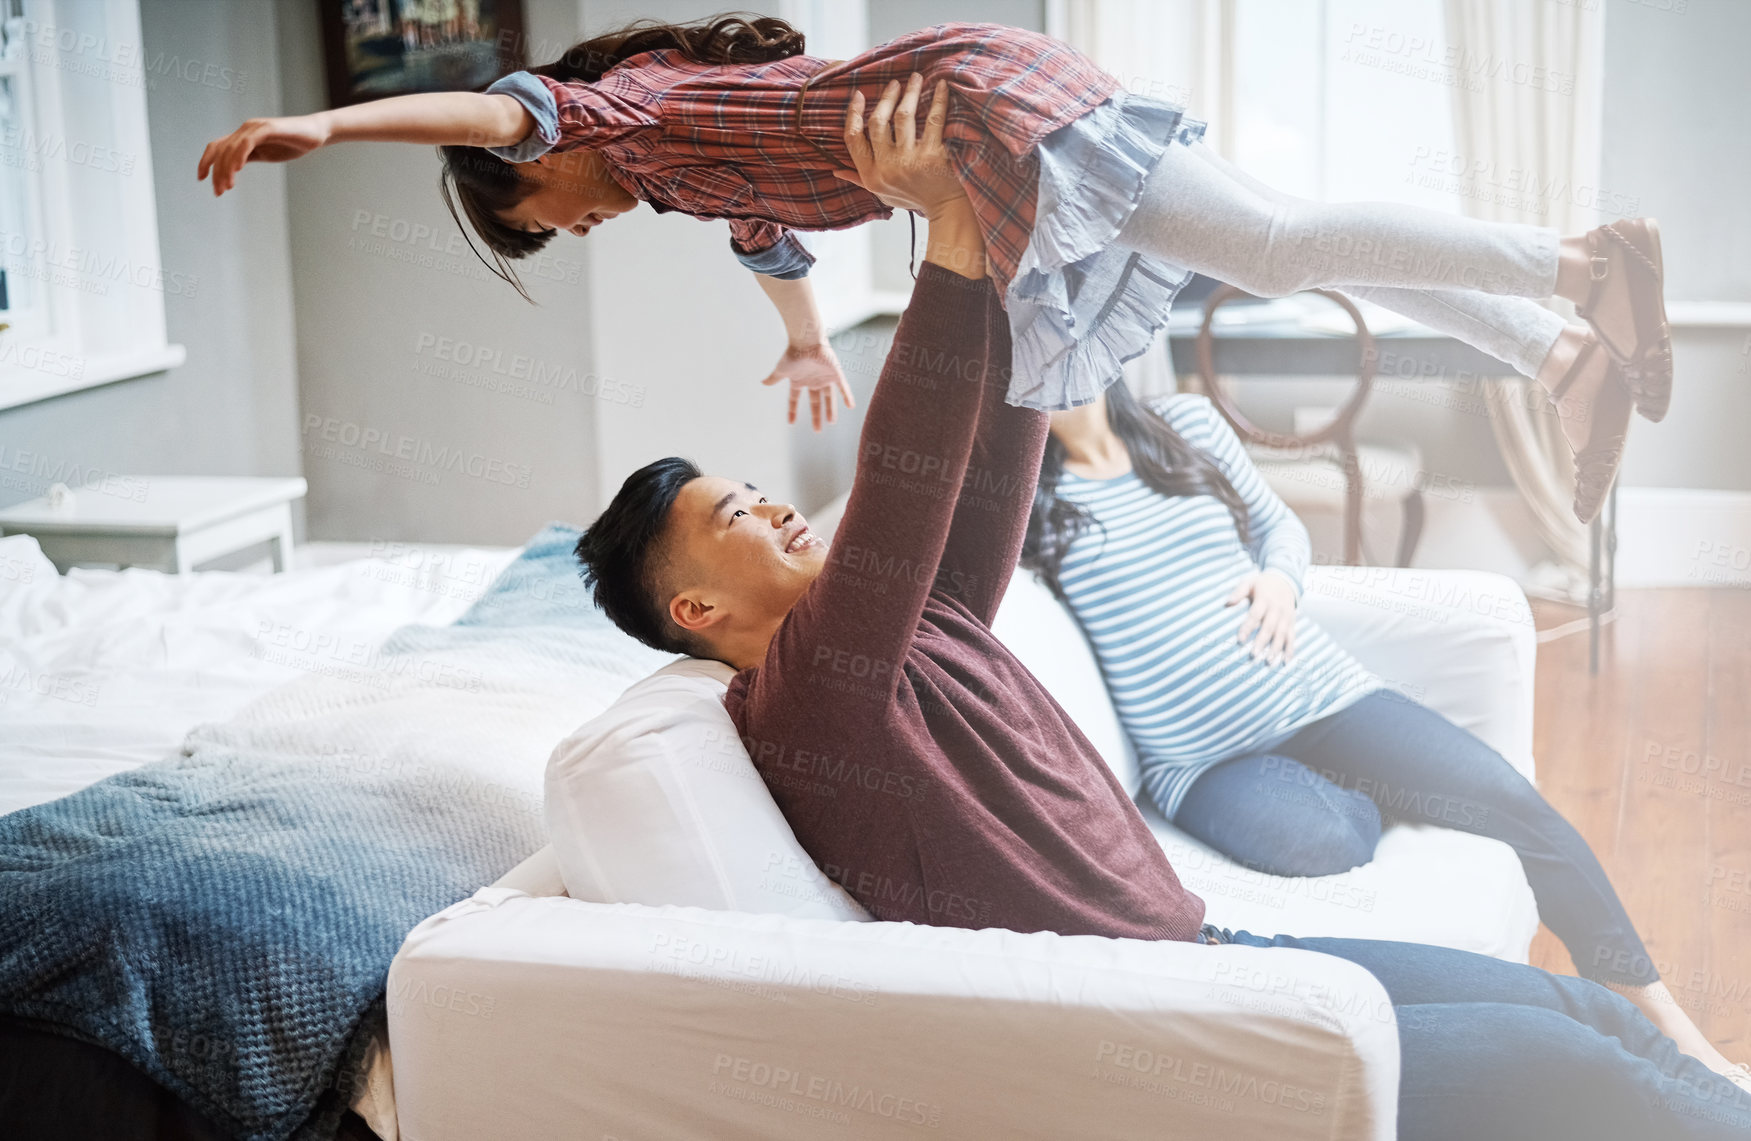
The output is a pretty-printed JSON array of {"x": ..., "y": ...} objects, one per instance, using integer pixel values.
[{"x": 375, "y": 48}]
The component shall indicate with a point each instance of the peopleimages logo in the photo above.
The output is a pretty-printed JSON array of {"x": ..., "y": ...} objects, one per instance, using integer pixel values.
[
  {"x": 420, "y": 244},
  {"x": 36, "y": 358},
  {"x": 23, "y": 148},
  {"x": 412, "y": 450},
  {"x": 515, "y": 367},
  {"x": 119, "y": 61},
  {"x": 1220, "y": 1080},
  {"x": 826, "y": 1091},
  {"x": 23, "y": 470},
  {"x": 95, "y": 265}
]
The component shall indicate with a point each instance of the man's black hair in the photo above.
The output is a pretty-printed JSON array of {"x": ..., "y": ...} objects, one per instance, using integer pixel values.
[{"x": 623, "y": 557}]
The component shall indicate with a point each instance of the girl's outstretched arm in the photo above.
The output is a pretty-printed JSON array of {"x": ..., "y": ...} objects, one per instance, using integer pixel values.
[
  {"x": 808, "y": 361},
  {"x": 436, "y": 118}
]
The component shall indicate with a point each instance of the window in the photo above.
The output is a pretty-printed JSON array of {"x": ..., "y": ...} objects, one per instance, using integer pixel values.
[
  {"x": 1339, "y": 100},
  {"x": 1343, "y": 100},
  {"x": 21, "y": 299},
  {"x": 1329, "y": 99},
  {"x": 83, "y": 287}
]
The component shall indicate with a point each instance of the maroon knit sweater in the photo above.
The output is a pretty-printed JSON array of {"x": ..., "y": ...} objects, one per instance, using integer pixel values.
[{"x": 920, "y": 764}]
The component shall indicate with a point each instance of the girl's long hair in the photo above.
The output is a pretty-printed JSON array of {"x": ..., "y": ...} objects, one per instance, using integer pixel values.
[
  {"x": 1162, "y": 460},
  {"x": 481, "y": 186}
]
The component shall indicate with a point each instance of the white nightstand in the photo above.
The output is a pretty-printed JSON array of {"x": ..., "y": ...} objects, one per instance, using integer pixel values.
[{"x": 167, "y": 523}]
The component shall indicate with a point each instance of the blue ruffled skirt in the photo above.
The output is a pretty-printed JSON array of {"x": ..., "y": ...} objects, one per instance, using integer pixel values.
[{"x": 1080, "y": 306}]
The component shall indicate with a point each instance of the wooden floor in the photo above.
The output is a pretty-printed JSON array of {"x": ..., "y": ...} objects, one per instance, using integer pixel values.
[{"x": 1651, "y": 760}]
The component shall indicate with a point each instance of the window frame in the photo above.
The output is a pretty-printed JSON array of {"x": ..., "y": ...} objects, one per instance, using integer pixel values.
[{"x": 81, "y": 84}]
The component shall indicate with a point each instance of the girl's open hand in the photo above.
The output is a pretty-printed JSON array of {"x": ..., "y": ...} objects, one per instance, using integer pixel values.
[
  {"x": 816, "y": 371},
  {"x": 260, "y": 140},
  {"x": 1270, "y": 622},
  {"x": 894, "y": 162}
]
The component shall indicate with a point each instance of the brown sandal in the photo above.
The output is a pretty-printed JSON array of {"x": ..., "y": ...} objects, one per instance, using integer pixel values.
[
  {"x": 1596, "y": 464},
  {"x": 1646, "y": 365}
]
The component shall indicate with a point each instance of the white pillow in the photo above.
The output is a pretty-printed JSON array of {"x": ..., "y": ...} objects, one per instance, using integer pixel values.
[
  {"x": 1040, "y": 631},
  {"x": 655, "y": 801}
]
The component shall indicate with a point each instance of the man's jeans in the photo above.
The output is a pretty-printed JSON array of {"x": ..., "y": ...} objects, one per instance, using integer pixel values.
[{"x": 1496, "y": 1051}]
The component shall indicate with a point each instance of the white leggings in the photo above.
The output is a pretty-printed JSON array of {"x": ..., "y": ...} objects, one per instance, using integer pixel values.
[{"x": 1460, "y": 276}]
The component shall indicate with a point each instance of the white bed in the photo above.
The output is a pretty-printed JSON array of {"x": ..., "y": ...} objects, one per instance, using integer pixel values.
[{"x": 102, "y": 671}]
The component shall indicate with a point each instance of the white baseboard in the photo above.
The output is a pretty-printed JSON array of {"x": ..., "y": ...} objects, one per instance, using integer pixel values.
[
  {"x": 1673, "y": 536},
  {"x": 1709, "y": 314}
]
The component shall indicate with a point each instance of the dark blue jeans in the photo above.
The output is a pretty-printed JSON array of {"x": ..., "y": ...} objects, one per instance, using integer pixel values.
[
  {"x": 1502, "y": 1051},
  {"x": 1313, "y": 805}
]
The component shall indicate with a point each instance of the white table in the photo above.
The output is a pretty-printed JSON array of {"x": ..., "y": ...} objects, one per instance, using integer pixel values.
[{"x": 167, "y": 523}]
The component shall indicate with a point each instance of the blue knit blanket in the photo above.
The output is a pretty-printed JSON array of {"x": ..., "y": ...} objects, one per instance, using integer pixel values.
[{"x": 225, "y": 920}]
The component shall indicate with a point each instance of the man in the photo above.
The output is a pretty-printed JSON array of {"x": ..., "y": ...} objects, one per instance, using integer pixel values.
[{"x": 931, "y": 775}]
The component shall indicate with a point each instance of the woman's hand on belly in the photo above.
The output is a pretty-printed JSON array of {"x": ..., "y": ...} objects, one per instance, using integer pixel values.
[{"x": 1269, "y": 624}]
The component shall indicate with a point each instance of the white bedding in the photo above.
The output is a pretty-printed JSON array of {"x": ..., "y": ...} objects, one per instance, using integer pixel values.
[{"x": 102, "y": 671}]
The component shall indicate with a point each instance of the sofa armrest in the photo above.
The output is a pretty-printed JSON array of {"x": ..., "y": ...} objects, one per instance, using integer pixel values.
[
  {"x": 512, "y": 1015},
  {"x": 1461, "y": 642}
]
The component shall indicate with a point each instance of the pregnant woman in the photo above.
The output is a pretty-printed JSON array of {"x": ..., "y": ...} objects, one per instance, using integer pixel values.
[
  {"x": 1095, "y": 205},
  {"x": 1255, "y": 731}
]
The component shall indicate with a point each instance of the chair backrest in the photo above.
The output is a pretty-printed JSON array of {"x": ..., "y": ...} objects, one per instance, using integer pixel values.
[{"x": 1339, "y": 434}]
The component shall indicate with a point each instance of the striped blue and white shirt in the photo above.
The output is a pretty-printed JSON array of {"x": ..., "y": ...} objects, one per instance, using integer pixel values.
[{"x": 1148, "y": 581}]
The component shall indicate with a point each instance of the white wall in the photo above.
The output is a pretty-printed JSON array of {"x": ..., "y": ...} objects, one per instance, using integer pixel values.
[
  {"x": 1677, "y": 140},
  {"x": 232, "y": 408},
  {"x": 659, "y": 309},
  {"x": 436, "y": 404}
]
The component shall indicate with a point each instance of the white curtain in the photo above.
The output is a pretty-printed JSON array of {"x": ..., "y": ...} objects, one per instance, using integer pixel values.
[{"x": 1529, "y": 143}]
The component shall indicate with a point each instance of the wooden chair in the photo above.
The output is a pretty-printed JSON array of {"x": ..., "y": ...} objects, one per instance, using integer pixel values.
[{"x": 1300, "y": 467}]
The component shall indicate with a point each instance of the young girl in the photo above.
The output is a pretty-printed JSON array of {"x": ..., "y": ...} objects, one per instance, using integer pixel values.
[
  {"x": 1152, "y": 525},
  {"x": 1096, "y": 205}
]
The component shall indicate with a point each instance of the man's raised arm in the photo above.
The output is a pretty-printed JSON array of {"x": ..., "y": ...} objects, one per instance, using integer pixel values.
[
  {"x": 917, "y": 435},
  {"x": 996, "y": 485},
  {"x": 997, "y": 493}
]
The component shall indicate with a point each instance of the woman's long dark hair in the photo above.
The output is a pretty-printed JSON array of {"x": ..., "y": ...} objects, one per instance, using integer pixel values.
[
  {"x": 1162, "y": 460},
  {"x": 482, "y": 186}
]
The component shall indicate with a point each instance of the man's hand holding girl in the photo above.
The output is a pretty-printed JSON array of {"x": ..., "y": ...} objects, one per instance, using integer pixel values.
[{"x": 910, "y": 170}]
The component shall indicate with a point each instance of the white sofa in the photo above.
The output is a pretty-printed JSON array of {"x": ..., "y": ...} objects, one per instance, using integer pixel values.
[{"x": 524, "y": 1013}]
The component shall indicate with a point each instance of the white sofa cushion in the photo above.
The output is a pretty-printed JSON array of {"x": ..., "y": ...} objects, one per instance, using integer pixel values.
[
  {"x": 1459, "y": 641},
  {"x": 656, "y": 801},
  {"x": 1425, "y": 884}
]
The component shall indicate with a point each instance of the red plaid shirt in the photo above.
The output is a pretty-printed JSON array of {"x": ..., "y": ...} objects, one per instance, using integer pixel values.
[{"x": 723, "y": 141}]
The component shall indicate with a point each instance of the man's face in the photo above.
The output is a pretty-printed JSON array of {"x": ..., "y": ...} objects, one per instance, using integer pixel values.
[{"x": 740, "y": 561}]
